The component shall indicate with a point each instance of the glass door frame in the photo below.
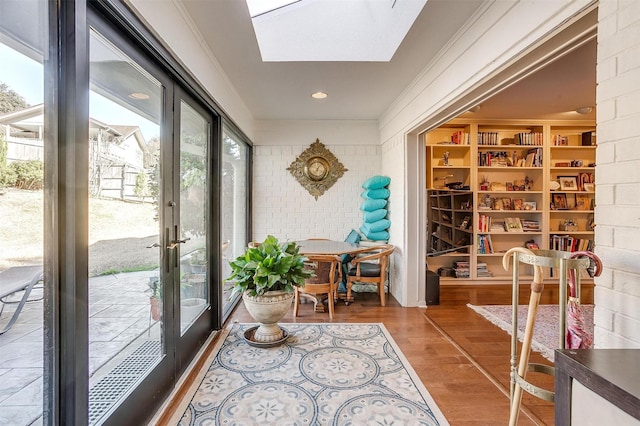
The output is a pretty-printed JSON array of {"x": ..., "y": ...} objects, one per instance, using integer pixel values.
[
  {"x": 188, "y": 343},
  {"x": 66, "y": 208}
]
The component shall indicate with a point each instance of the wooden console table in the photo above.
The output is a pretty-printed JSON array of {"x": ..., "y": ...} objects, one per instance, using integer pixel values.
[{"x": 597, "y": 387}]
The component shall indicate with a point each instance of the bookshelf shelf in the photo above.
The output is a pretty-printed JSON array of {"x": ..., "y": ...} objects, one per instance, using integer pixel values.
[{"x": 514, "y": 171}]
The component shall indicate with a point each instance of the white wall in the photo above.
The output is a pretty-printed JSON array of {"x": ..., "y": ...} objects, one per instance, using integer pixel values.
[
  {"x": 478, "y": 51},
  {"x": 617, "y": 235},
  {"x": 282, "y": 207}
]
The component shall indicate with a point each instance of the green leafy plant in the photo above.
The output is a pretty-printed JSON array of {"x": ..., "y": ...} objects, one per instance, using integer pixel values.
[{"x": 270, "y": 266}]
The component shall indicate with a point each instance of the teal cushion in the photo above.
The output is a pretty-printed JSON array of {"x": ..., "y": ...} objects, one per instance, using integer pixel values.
[
  {"x": 375, "y": 215},
  {"x": 377, "y": 226},
  {"x": 353, "y": 237},
  {"x": 371, "y": 205},
  {"x": 376, "y": 194},
  {"x": 376, "y": 182},
  {"x": 376, "y": 236}
]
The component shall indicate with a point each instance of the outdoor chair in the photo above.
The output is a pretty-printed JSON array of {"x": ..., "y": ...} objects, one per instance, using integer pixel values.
[
  {"x": 327, "y": 271},
  {"x": 371, "y": 268},
  {"x": 15, "y": 280}
]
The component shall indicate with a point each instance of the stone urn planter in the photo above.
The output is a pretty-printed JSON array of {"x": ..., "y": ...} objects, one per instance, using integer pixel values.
[
  {"x": 266, "y": 276},
  {"x": 268, "y": 309}
]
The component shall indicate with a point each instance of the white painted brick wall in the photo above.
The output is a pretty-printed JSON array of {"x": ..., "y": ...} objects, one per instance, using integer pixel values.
[
  {"x": 617, "y": 294},
  {"x": 282, "y": 207}
]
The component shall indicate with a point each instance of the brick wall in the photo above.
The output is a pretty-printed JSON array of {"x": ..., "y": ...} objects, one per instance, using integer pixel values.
[
  {"x": 617, "y": 294},
  {"x": 282, "y": 207}
]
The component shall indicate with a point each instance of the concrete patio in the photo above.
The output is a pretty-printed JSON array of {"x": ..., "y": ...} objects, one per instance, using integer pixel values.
[{"x": 123, "y": 344}]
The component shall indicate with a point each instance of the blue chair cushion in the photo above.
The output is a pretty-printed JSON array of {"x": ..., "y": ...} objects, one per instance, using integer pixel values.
[
  {"x": 376, "y": 182},
  {"x": 371, "y": 205},
  {"x": 376, "y": 194},
  {"x": 366, "y": 270},
  {"x": 375, "y": 236},
  {"x": 374, "y": 216},
  {"x": 377, "y": 226}
]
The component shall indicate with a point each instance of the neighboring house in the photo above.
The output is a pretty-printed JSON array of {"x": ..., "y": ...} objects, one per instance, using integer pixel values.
[
  {"x": 116, "y": 151},
  {"x": 23, "y": 131}
]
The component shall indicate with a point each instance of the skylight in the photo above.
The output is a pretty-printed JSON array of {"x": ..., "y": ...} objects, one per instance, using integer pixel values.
[
  {"x": 258, "y": 7},
  {"x": 332, "y": 30}
]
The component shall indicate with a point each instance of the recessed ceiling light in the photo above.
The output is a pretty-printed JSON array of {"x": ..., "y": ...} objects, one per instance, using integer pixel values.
[
  {"x": 319, "y": 95},
  {"x": 139, "y": 95},
  {"x": 584, "y": 110}
]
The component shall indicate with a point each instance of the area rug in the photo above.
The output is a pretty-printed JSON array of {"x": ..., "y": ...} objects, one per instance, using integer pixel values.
[
  {"x": 324, "y": 374},
  {"x": 545, "y": 332}
]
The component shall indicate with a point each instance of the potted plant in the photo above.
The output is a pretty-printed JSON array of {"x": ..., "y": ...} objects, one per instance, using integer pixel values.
[
  {"x": 155, "y": 300},
  {"x": 198, "y": 261},
  {"x": 266, "y": 276}
]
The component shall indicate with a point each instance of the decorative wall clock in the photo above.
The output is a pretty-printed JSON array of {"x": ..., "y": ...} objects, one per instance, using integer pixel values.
[{"x": 317, "y": 169}]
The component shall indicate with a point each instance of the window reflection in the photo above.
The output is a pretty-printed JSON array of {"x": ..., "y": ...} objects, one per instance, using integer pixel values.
[
  {"x": 22, "y": 31},
  {"x": 234, "y": 214}
]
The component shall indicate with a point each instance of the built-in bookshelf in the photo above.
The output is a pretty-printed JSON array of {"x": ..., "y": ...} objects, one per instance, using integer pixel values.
[
  {"x": 450, "y": 228},
  {"x": 532, "y": 184}
]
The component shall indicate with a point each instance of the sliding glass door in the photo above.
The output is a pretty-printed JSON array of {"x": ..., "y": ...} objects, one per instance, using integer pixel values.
[
  {"x": 110, "y": 182},
  {"x": 150, "y": 212}
]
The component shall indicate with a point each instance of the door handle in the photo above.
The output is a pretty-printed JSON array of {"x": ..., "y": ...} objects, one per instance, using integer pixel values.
[{"x": 175, "y": 243}]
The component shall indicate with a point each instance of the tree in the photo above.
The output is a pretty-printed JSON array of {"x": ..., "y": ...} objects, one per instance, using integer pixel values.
[{"x": 10, "y": 100}]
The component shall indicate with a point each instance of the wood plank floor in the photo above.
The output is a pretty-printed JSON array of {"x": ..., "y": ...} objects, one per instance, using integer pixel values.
[{"x": 462, "y": 359}]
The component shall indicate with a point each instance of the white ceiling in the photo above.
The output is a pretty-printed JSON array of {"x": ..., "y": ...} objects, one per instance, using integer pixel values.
[
  {"x": 364, "y": 90},
  {"x": 330, "y": 30}
]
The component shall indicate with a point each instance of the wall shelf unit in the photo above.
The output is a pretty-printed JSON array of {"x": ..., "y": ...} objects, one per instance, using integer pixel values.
[
  {"x": 530, "y": 182},
  {"x": 450, "y": 227}
]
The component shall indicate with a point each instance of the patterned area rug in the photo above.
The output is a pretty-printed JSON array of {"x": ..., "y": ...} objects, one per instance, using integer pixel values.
[
  {"x": 546, "y": 329},
  {"x": 324, "y": 374}
]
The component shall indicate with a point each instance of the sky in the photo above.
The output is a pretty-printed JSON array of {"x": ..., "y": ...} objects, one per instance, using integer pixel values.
[{"x": 25, "y": 77}]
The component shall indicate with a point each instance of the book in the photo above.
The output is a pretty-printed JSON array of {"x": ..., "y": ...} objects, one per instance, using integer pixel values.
[{"x": 513, "y": 224}]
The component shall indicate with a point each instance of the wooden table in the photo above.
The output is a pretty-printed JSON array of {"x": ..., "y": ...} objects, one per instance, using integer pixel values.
[
  {"x": 326, "y": 247},
  {"x": 310, "y": 247},
  {"x": 597, "y": 386}
]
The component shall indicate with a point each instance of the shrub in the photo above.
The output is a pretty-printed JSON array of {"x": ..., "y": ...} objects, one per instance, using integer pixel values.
[{"x": 26, "y": 174}]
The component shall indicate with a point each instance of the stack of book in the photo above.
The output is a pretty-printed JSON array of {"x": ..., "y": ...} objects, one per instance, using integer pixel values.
[
  {"x": 482, "y": 270},
  {"x": 462, "y": 269},
  {"x": 530, "y": 225}
]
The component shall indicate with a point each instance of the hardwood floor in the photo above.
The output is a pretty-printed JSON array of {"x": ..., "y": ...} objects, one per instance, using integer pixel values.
[{"x": 462, "y": 359}]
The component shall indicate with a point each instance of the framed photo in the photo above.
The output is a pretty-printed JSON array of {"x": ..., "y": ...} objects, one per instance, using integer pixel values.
[
  {"x": 518, "y": 204},
  {"x": 583, "y": 179},
  {"x": 560, "y": 201},
  {"x": 530, "y": 205},
  {"x": 506, "y": 204},
  {"x": 571, "y": 201},
  {"x": 589, "y": 187},
  {"x": 568, "y": 183},
  {"x": 583, "y": 202}
]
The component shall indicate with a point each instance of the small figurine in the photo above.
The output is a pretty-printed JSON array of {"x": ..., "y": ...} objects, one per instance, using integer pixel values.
[{"x": 445, "y": 158}]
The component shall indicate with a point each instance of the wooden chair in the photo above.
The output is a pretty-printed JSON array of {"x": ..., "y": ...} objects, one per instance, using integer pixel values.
[
  {"x": 326, "y": 268},
  {"x": 370, "y": 267}
]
